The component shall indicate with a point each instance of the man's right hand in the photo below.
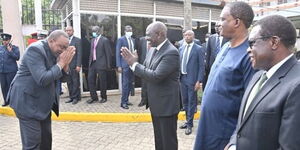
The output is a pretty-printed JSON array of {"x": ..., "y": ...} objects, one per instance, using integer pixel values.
[
  {"x": 119, "y": 70},
  {"x": 65, "y": 57}
]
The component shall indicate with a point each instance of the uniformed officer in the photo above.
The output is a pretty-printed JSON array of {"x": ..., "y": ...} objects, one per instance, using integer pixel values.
[{"x": 9, "y": 54}]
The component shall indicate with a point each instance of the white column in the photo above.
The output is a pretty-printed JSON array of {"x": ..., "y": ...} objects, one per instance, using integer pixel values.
[
  {"x": 187, "y": 14},
  {"x": 209, "y": 23},
  {"x": 38, "y": 14},
  {"x": 76, "y": 18},
  {"x": 12, "y": 22}
]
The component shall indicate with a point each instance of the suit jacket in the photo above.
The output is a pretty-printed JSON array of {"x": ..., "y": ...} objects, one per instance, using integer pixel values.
[
  {"x": 272, "y": 120},
  {"x": 32, "y": 92},
  {"x": 195, "y": 65},
  {"x": 76, "y": 61},
  {"x": 103, "y": 53},
  {"x": 162, "y": 80},
  {"x": 142, "y": 49},
  {"x": 8, "y": 60},
  {"x": 211, "y": 50},
  {"x": 122, "y": 42}
]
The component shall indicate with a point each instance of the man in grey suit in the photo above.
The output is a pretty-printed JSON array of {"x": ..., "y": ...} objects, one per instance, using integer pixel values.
[
  {"x": 32, "y": 93},
  {"x": 75, "y": 66},
  {"x": 269, "y": 115},
  {"x": 161, "y": 73}
]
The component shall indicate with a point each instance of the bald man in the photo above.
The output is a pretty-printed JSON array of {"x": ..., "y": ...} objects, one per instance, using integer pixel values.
[{"x": 161, "y": 74}]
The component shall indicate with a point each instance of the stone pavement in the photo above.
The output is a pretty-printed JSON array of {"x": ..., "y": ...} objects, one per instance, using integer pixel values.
[{"x": 95, "y": 135}]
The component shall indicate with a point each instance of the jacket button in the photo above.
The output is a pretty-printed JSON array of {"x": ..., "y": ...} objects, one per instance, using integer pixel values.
[{"x": 239, "y": 135}]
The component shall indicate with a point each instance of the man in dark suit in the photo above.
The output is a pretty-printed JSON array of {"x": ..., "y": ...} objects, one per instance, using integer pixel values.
[
  {"x": 33, "y": 91},
  {"x": 9, "y": 55},
  {"x": 75, "y": 66},
  {"x": 99, "y": 63},
  {"x": 269, "y": 115},
  {"x": 182, "y": 42},
  {"x": 213, "y": 46},
  {"x": 142, "y": 49},
  {"x": 161, "y": 73},
  {"x": 127, "y": 75},
  {"x": 192, "y": 72}
]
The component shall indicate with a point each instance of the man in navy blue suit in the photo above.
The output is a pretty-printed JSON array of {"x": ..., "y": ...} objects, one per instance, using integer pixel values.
[
  {"x": 9, "y": 54},
  {"x": 123, "y": 67},
  {"x": 192, "y": 72}
]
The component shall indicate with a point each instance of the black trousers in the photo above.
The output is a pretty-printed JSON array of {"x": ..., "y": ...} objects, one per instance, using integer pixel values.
[
  {"x": 95, "y": 73},
  {"x": 5, "y": 80},
  {"x": 144, "y": 92},
  {"x": 35, "y": 134},
  {"x": 74, "y": 84},
  {"x": 165, "y": 132}
]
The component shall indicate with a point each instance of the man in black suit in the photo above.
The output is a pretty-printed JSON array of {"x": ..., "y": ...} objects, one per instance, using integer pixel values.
[
  {"x": 269, "y": 115},
  {"x": 161, "y": 73},
  {"x": 33, "y": 91},
  {"x": 75, "y": 66},
  {"x": 213, "y": 46},
  {"x": 99, "y": 63},
  {"x": 142, "y": 49}
]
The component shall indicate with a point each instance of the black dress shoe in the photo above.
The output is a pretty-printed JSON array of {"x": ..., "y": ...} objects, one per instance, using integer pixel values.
[
  {"x": 184, "y": 126},
  {"x": 129, "y": 104},
  {"x": 141, "y": 104},
  {"x": 90, "y": 101},
  {"x": 188, "y": 131},
  {"x": 103, "y": 100},
  {"x": 69, "y": 101},
  {"x": 5, "y": 104},
  {"x": 124, "y": 106},
  {"x": 75, "y": 101}
]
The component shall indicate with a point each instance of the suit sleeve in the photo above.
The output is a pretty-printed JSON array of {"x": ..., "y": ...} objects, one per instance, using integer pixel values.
[
  {"x": 15, "y": 53},
  {"x": 247, "y": 70},
  {"x": 108, "y": 53},
  {"x": 35, "y": 60},
  {"x": 79, "y": 52},
  {"x": 118, "y": 53},
  {"x": 168, "y": 64},
  {"x": 290, "y": 121},
  {"x": 201, "y": 69}
]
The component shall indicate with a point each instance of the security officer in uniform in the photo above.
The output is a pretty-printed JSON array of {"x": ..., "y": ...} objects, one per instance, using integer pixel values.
[{"x": 9, "y": 54}]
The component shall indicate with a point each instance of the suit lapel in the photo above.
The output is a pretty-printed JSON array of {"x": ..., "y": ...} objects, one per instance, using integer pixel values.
[
  {"x": 191, "y": 53},
  {"x": 266, "y": 89},
  {"x": 158, "y": 53}
]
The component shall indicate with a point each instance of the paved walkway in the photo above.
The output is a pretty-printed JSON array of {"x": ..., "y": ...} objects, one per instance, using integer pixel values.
[{"x": 95, "y": 135}]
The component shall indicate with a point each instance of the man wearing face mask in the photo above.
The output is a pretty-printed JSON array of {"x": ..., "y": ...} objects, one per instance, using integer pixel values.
[
  {"x": 99, "y": 63},
  {"x": 123, "y": 67}
]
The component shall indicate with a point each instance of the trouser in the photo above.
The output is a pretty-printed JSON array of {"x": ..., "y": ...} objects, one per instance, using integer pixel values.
[
  {"x": 92, "y": 78},
  {"x": 165, "y": 132},
  {"x": 5, "y": 80},
  {"x": 74, "y": 84},
  {"x": 35, "y": 134}
]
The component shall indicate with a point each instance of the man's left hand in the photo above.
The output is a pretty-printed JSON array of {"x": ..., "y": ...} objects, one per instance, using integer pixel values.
[
  {"x": 129, "y": 57},
  {"x": 197, "y": 86}
]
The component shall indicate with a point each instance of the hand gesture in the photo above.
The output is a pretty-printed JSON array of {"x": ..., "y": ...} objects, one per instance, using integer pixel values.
[
  {"x": 65, "y": 57},
  {"x": 129, "y": 57}
]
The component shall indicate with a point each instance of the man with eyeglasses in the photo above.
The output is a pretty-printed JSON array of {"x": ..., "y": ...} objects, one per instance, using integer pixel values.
[
  {"x": 269, "y": 116},
  {"x": 227, "y": 81}
]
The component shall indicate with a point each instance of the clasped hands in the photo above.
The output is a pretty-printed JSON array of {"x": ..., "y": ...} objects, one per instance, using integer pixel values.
[{"x": 66, "y": 57}]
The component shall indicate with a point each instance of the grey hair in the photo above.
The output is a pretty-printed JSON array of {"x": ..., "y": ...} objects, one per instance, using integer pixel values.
[{"x": 56, "y": 34}]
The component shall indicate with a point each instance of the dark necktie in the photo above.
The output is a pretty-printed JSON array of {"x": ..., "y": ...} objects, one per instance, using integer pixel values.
[
  {"x": 185, "y": 58},
  {"x": 255, "y": 90},
  {"x": 130, "y": 44},
  {"x": 153, "y": 55}
]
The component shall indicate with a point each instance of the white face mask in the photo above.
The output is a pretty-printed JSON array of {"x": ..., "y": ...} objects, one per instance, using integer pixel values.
[
  {"x": 128, "y": 34},
  {"x": 94, "y": 34}
]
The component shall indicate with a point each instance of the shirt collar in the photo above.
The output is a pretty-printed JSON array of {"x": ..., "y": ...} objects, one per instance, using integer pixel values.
[
  {"x": 161, "y": 44},
  {"x": 271, "y": 71}
]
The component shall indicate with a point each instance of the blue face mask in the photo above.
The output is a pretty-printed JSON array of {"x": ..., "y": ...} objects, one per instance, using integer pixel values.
[{"x": 94, "y": 34}]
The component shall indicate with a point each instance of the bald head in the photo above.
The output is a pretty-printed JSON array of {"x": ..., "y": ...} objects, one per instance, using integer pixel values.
[
  {"x": 189, "y": 36},
  {"x": 156, "y": 33},
  {"x": 69, "y": 30}
]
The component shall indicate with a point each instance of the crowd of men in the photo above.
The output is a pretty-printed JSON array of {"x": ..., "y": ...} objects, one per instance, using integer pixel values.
[{"x": 245, "y": 105}]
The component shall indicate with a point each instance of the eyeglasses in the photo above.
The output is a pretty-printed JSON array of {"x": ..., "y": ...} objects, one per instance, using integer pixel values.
[{"x": 252, "y": 42}]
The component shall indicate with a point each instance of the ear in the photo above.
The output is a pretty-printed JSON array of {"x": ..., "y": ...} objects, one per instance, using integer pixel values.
[
  {"x": 237, "y": 22},
  {"x": 275, "y": 40}
]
